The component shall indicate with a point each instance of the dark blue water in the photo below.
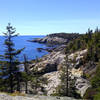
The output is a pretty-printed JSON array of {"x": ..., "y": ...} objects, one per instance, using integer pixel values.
[{"x": 30, "y": 47}]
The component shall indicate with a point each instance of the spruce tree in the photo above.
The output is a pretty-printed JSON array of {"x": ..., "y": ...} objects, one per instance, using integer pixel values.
[{"x": 10, "y": 57}]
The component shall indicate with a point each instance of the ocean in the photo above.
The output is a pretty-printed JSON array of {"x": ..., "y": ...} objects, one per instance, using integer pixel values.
[{"x": 30, "y": 47}]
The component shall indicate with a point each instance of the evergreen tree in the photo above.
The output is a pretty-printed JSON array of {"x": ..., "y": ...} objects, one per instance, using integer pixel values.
[
  {"x": 90, "y": 32},
  {"x": 10, "y": 57},
  {"x": 26, "y": 73},
  {"x": 67, "y": 86}
]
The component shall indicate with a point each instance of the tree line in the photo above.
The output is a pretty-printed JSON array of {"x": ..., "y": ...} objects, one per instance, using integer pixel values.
[{"x": 90, "y": 41}]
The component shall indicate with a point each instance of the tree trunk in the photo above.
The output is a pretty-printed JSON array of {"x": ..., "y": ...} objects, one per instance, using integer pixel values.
[{"x": 26, "y": 70}]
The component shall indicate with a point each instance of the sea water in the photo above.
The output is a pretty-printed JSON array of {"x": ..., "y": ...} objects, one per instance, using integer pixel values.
[{"x": 30, "y": 47}]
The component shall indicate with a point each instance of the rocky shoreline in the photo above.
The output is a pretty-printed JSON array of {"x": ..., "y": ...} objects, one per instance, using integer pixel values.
[
  {"x": 49, "y": 66},
  {"x": 56, "y": 38},
  {"x": 53, "y": 62}
]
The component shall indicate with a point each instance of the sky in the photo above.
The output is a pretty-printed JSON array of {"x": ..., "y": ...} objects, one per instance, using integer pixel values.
[{"x": 42, "y": 17}]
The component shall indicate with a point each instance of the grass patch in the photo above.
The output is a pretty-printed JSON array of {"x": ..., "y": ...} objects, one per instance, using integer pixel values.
[{"x": 17, "y": 94}]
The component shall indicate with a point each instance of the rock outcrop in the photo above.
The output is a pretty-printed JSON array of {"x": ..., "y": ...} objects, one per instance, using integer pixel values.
[
  {"x": 50, "y": 40},
  {"x": 4, "y": 96},
  {"x": 56, "y": 38},
  {"x": 81, "y": 84},
  {"x": 52, "y": 63},
  {"x": 53, "y": 81}
]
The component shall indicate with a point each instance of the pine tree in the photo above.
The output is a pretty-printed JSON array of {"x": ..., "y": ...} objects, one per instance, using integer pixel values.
[
  {"x": 26, "y": 72},
  {"x": 90, "y": 32},
  {"x": 10, "y": 57},
  {"x": 67, "y": 86}
]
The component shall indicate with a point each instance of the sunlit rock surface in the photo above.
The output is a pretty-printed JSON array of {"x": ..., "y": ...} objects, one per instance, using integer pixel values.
[
  {"x": 54, "y": 81},
  {"x": 52, "y": 63},
  {"x": 4, "y": 96}
]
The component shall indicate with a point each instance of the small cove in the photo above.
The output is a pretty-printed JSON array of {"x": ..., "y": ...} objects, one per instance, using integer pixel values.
[{"x": 30, "y": 47}]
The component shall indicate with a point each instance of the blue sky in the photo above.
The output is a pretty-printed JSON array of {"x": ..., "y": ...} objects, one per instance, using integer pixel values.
[{"x": 41, "y": 17}]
